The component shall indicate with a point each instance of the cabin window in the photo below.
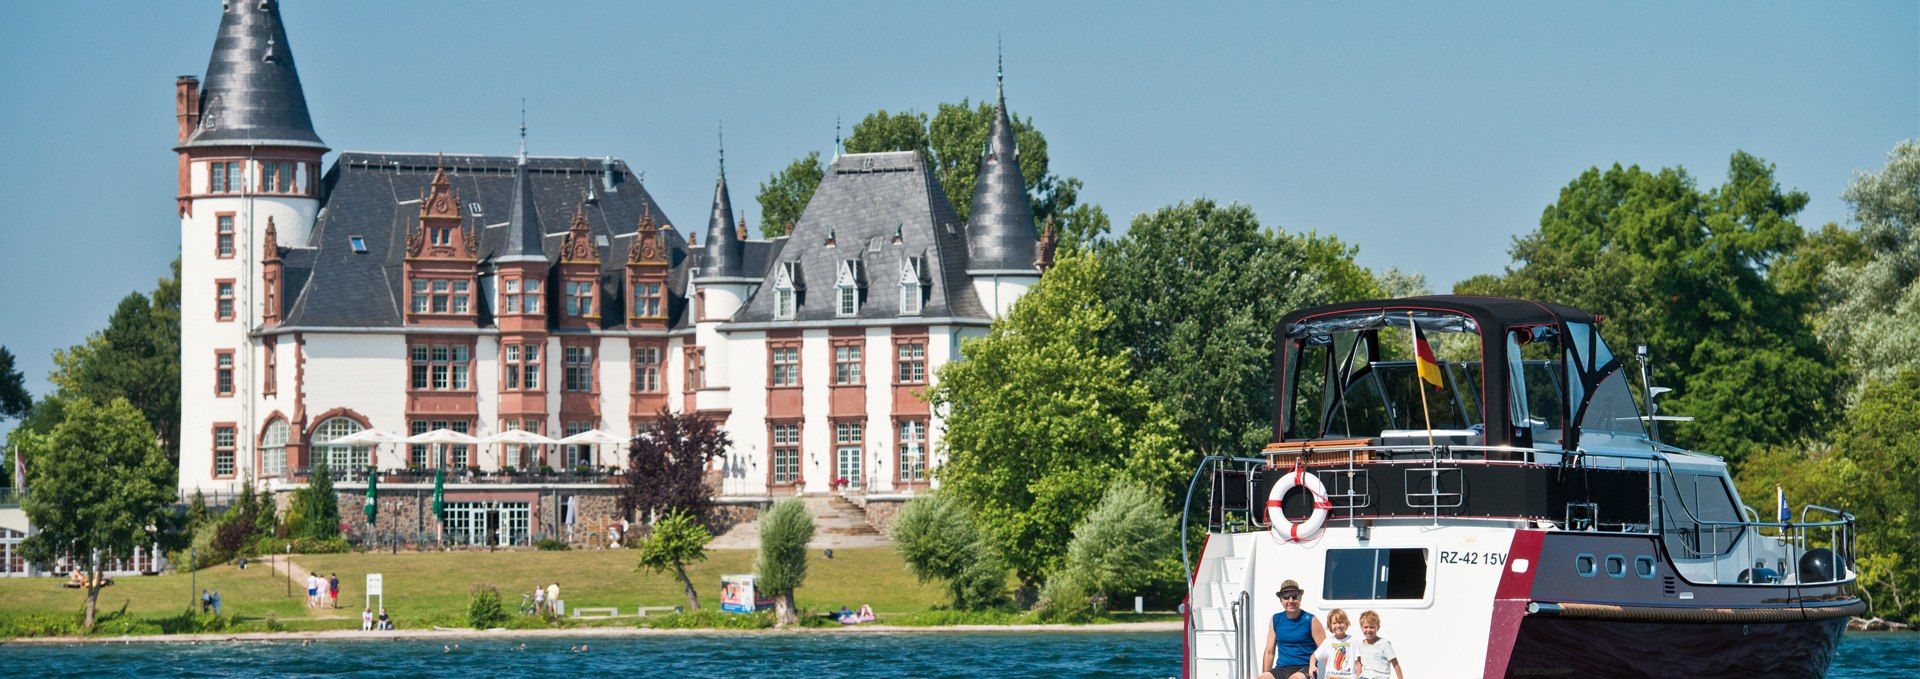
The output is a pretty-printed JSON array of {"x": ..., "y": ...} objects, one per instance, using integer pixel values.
[
  {"x": 1612, "y": 409},
  {"x": 1370, "y": 574},
  {"x": 1309, "y": 377},
  {"x": 1686, "y": 500}
]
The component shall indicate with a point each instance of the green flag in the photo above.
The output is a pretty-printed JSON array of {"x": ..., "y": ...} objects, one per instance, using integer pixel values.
[
  {"x": 373, "y": 496},
  {"x": 439, "y": 495}
]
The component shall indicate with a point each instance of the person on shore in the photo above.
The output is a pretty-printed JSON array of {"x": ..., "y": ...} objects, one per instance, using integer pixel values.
[
  {"x": 553, "y": 598},
  {"x": 216, "y": 602},
  {"x": 1375, "y": 654},
  {"x": 539, "y": 600},
  {"x": 386, "y": 623},
  {"x": 206, "y": 601},
  {"x": 333, "y": 588},
  {"x": 1291, "y": 637},
  {"x": 313, "y": 591},
  {"x": 366, "y": 619},
  {"x": 1335, "y": 657}
]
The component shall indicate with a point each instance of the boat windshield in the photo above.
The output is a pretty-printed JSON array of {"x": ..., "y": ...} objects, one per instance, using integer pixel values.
[{"x": 1362, "y": 383}]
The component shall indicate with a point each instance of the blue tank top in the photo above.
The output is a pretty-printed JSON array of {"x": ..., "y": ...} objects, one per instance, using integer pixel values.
[{"x": 1292, "y": 640}]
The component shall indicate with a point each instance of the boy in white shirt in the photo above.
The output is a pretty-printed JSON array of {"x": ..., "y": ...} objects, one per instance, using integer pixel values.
[
  {"x": 1334, "y": 659},
  {"x": 1375, "y": 654}
]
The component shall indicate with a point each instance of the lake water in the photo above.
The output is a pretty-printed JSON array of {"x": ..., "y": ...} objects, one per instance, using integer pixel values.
[{"x": 808, "y": 656}]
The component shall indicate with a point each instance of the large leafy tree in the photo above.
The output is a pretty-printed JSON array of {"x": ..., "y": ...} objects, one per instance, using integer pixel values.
[
  {"x": 1687, "y": 271},
  {"x": 677, "y": 540},
  {"x": 1195, "y": 290},
  {"x": 1043, "y": 413},
  {"x": 667, "y": 465},
  {"x": 781, "y": 565},
  {"x": 1874, "y": 320},
  {"x": 101, "y": 484},
  {"x": 14, "y": 399},
  {"x": 784, "y": 195},
  {"x": 137, "y": 357}
]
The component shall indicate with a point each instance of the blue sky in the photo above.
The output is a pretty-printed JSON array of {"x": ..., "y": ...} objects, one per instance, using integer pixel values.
[{"x": 1427, "y": 134}]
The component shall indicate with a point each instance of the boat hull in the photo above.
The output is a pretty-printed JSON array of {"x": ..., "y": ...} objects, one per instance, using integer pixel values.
[{"x": 1560, "y": 647}]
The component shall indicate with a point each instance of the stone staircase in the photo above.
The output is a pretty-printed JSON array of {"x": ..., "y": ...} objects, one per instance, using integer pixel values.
[{"x": 837, "y": 523}]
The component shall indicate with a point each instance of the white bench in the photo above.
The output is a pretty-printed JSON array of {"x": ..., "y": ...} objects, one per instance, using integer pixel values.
[
  {"x": 608, "y": 612},
  {"x": 644, "y": 610}
]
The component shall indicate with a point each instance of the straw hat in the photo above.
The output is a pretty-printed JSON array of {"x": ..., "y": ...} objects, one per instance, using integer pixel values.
[{"x": 1289, "y": 586}]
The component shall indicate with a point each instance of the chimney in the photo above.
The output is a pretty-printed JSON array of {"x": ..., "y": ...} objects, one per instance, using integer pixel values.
[{"x": 186, "y": 104}]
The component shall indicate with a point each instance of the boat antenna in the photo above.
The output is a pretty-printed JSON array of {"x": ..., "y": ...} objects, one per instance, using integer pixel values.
[{"x": 1646, "y": 384}]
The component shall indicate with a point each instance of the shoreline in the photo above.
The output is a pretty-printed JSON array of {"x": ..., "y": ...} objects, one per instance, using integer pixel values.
[{"x": 594, "y": 632}]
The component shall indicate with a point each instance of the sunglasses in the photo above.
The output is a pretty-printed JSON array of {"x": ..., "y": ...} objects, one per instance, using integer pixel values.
[{"x": 1290, "y": 597}]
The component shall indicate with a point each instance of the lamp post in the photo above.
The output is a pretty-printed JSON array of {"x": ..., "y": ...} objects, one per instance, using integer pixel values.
[{"x": 286, "y": 566}]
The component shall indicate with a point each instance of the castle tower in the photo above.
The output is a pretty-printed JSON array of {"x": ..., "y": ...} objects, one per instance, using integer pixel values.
[
  {"x": 1001, "y": 241},
  {"x": 248, "y": 158}
]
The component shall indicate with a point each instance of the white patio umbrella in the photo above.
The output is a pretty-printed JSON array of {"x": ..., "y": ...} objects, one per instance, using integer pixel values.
[
  {"x": 592, "y": 437},
  {"x": 519, "y": 437},
  {"x": 369, "y": 437},
  {"x": 442, "y": 436}
]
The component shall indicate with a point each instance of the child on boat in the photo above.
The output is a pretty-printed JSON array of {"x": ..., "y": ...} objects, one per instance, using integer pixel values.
[
  {"x": 1335, "y": 658},
  {"x": 1375, "y": 654}
]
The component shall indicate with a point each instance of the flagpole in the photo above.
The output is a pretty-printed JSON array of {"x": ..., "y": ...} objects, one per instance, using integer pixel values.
[{"x": 1413, "y": 338}]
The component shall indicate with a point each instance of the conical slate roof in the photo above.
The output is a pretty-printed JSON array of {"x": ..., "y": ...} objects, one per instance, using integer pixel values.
[
  {"x": 722, "y": 254},
  {"x": 524, "y": 234},
  {"x": 1000, "y": 233},
  {"x": 252, "y": 95}
]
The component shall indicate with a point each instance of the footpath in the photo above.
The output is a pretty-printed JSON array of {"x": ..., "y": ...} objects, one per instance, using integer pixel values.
[{"x": 289, "y": 569}]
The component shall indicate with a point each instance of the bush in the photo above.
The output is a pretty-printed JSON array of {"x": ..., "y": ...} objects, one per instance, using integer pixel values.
[
  {"x": 781, "y": 565},
  {"x": 333, "y": 545},
  {"x": 939, "y": 541},
  {"x": 551, "y": 545},
  {"x": 709, "y": 620},
  {"x": 1126, "y": 544},
  {"x": 38, "y": 625},
  {"x": 484, "y": 610},
  {"x": 1067, "y": 598}
]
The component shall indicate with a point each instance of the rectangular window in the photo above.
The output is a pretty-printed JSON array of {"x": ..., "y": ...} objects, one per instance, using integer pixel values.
[
  {"x": 223, "y": 300},
  {"x": 526, "y": 457},
  {"x": 849, "y": 301},
  {"x": 223, "y": 236},
  {"x": 846, "y": 364},
  {"x": 270, "y": 382},
  {"x": 1368, "y": 574},
  {"x": 577, "y": 456},
  {"x": 913, "y": 450},
  {"x": 226, "y": 177},
  {"x": 440, "y": 302},
  {"x": 910, "y": 297},
  {"x": 530, "y": 365},
  {"x": 439, "y": 455},
  {"x": 223, "y": 373},
  {"x": 510, "y": 365},
  {"x": 848, "y": 461},
  {"x": 530, "y": 298},
  {"x": 578, "y": 362},
  {"x": 460, "y": 304},
  {"x": 223, "y": 450},
  {"x": 786, "y": 453},
  {"x": 646, "y": 370},
  {"x": 785, "y": 368},
  {"x": 783, "y": 303},
  {"x": 421, "y": 295},
  {"x": 216, "y": 177},
  {"x": 579, "y": 299},
  {"x": 510, "y": 296},
  {"x": 646, "y": 300},
  {"x": 912, "y": 363},
  {"x": 696, "y": 369},
  {"x": 439, "y": 367}
]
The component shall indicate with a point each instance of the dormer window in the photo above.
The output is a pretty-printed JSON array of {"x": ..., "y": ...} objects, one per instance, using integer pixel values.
[
  {"x": 579, "y": 299},
  {"x": 848, "y": 285},
  {"x": 786, "y": 300},
  {"x": 646, "y": 300},
  {"x": 911, "y": 291}
]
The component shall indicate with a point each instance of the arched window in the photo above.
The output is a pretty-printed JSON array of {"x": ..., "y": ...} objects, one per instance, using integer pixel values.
[
  {"x": 351, "y": 459},
  {"x": 273, "y": 448}
]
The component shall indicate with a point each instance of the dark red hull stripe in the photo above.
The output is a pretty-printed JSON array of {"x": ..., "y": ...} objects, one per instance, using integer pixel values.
[{"x": 1561, "y": 647}]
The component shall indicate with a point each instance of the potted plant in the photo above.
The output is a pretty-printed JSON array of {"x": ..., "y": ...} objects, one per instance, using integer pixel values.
[
  {"x": 507, "y": 470},
  {"x": 839, "y": 484},
  {"x": 546, "y": 470}
]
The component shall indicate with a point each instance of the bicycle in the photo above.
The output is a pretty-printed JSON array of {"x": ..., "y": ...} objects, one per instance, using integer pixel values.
[{"x": 526, "y": 605}]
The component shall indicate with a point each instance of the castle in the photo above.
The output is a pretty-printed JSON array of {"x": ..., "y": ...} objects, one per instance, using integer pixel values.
[{"x": 416, "y": 292}]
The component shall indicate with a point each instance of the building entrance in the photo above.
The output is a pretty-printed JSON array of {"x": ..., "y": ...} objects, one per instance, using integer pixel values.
[{"x": 483, "y": 523}]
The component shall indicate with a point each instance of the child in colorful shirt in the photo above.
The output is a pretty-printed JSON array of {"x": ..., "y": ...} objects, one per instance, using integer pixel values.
[{"x": 1334, "y": 659}]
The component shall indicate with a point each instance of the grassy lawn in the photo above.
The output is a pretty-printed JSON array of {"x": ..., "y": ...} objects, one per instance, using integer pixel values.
[{"x": 431, "y": 588}]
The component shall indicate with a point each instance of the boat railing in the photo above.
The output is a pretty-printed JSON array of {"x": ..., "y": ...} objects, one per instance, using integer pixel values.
[{"x": 1232, "y": 505}]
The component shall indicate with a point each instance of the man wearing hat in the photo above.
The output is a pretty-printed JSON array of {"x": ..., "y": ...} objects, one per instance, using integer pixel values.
[{"x": 1292, "y": 637}]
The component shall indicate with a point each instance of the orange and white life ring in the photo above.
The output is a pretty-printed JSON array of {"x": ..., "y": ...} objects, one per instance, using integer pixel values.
[{"x": 1284, "y": 528}]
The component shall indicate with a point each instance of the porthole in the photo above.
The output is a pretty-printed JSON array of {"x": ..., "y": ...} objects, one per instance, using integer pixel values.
[
  {"x": 1616, "y": 566},
  {"x": 1643, "y": 567},
  {"x": 1586, "y": 565}
]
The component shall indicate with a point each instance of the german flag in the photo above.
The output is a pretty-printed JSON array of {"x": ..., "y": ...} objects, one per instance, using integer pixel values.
[{"x": 1427, "y": 365}]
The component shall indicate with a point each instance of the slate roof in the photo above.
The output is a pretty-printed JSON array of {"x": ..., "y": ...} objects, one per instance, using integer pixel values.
[
  {"x": 374, "y": 196},
  {"x": 1000, "y": 232},
  {"x": 864, "y": 200},
  {"x": 252, "y": 93},
  {"x": 722, "y": 254}
]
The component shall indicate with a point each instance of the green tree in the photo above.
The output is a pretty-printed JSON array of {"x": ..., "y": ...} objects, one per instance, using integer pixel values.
[
  {"x": 677, "y": 539},
  {"x": 1043, "y": 412},
  {"x": 1126, "y": 544},
  {"x": 484, "y": 610},
  {"x": 938, "y": 540},
  {"x": 316, "y": 505},
  {"x": 1196, "y": 289},
  {"x": 781, "y": 565},
  {"x": 14, "y": 399},
  {"x": 137, "y": 357},
  {"x": 101, "y": 485},
  {"x": 784, "y": 195},
  {"x": 881, "y": 132},
  {"x": 1688, "y": 272},
  {"x": 1874, "y": 317}
]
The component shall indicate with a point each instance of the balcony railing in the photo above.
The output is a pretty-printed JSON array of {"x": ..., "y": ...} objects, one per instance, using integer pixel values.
[{"x": 606, "y": 475}]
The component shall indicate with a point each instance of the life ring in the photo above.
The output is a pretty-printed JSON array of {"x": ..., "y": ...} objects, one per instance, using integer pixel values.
[{"x": 1308, "y": 529}]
